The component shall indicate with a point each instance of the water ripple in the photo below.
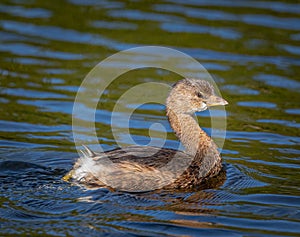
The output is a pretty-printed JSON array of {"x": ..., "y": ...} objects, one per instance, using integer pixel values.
[
  {"x": 57, "y": 33},
  {"x": 25, "y": 12},
  {"x": 278, "y": 81},
  {"x": 225, "y": 33}
]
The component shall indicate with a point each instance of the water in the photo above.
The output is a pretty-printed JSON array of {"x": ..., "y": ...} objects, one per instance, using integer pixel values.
[{"x": 251, "y": 48}]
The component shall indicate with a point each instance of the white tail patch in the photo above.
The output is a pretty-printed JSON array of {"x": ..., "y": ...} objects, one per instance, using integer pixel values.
[
  {"x": 88, "y": 164},
  {"x": 87, "y": 152}
]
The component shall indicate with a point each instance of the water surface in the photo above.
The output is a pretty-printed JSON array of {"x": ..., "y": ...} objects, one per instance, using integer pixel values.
[{"x": 251, "y": 48}]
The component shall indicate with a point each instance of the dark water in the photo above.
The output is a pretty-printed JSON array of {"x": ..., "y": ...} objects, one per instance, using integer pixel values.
[{"x": 251, "y": 48}]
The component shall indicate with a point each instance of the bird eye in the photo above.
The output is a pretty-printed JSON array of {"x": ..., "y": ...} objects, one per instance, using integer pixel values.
[{"x": 199, "y": 95}]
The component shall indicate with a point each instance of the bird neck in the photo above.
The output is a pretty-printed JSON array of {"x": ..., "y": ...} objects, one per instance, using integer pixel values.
[{"x": 193, "y": 138}]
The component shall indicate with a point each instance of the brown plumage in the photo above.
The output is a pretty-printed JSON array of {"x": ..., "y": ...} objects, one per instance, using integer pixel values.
[{"x": 139, "y": 168}]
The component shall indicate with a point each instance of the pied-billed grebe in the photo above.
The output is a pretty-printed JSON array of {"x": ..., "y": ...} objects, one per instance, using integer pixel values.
[{"x": 140, "y": 168}]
